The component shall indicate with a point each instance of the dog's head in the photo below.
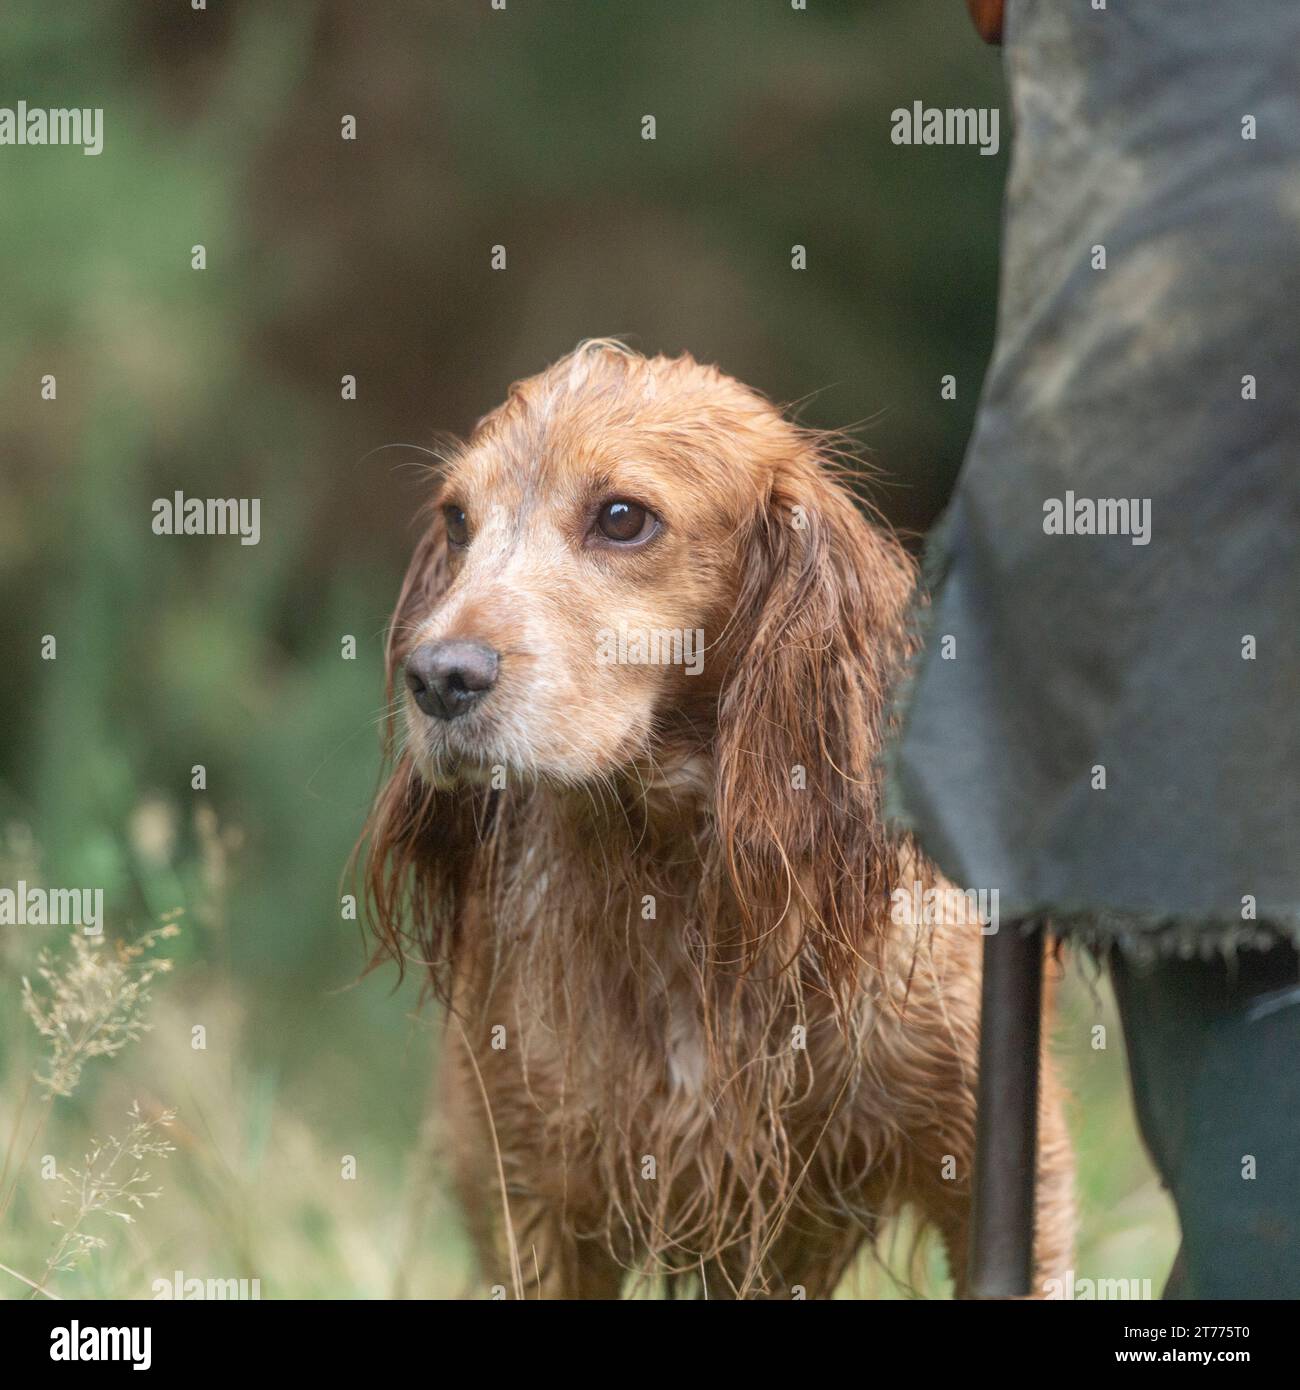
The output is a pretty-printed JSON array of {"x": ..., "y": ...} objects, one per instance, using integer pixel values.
[
  {"x": 633, "y": 561},
  {"x": 577, "y": 572}
]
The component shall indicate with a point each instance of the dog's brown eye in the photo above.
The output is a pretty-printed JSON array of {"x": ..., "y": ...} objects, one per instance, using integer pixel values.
[
  {"x": 625, "y": 522},
  {"x": 457, "y": 526}
]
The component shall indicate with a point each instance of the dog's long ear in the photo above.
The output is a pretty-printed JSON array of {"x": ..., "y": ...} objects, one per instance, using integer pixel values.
[
  {"x": 817, "y": 638},
  {"x": 417, "y": 842}
]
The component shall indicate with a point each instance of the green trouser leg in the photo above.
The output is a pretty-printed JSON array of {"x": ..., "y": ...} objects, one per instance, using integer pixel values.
[{"x": 1214, "y": 1060}]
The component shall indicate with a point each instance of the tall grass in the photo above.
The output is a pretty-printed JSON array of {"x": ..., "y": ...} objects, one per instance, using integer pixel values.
[
  {"x": 89, "y": 1002},
  {"x": 227, "y": 1167}
]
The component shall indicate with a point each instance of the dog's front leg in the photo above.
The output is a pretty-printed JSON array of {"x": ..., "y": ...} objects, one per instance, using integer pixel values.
[{"x": 523, "y": 1232}]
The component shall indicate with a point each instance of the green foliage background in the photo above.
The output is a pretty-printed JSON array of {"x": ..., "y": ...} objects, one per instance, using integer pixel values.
[{"x": 326, "y": 257}]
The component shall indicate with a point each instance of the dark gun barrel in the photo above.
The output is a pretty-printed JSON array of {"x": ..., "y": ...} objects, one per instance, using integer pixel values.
[{"x": 1006, "y": 1124}]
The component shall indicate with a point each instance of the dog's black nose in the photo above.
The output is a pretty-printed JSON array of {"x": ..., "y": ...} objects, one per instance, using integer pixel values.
[{"x": 449, "y": 678}]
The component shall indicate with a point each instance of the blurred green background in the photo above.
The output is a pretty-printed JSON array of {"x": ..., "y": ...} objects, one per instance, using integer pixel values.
[{"x": 325, "y": 257}]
